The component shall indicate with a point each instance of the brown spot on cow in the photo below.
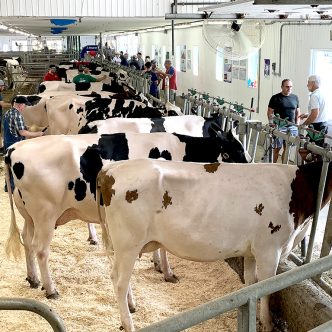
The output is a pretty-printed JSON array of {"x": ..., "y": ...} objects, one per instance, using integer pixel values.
[
  {"x": 106, "y": 183},
  {"x": 259, "y": 209},
  {"x": 211, "y": 168},
  {"x": 131, "y": 195},
  {"x": 274, "y": 228},
  {"x": 167, "y": 200}
]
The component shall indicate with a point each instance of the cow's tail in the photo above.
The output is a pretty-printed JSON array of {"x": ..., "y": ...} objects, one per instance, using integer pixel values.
[
  {"x": 107, "y": 241},
  {"x": 13, "y": 245}
]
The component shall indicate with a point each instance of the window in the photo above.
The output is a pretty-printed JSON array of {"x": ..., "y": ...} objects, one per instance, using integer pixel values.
[
  {"x": 219, "y": 64},
  {"x": 195, "y": 60},
  {"x": 321, "y": 64},
  {"x": 253, "y": 69}
]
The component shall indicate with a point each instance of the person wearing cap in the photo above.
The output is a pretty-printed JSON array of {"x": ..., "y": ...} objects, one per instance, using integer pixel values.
[
  {"x": 85, "y": 77},
  {"x": 14, "y": 128},
  {"x": 52, "y": 75}
]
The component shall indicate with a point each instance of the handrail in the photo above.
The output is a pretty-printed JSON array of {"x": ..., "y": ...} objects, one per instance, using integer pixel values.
[
  {"x": 37, "y": 307},
  {"x": 240, "y": 298}
]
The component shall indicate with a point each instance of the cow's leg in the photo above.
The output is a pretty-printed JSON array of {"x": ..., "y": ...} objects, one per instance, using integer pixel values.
[
  {"x": 169, "y": 276},
  {"x": 267, "y": 262},
  {"x": 121, "y": 273},
  {"x": 156, "y": 261},
  {"x": 93, "y": 238},
  {"x": 249, "y": 270},
  {"x": 27, "y": 235},
  {"x": 41, "y": 244}
]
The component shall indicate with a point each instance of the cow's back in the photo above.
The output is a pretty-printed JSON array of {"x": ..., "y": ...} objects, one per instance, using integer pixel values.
[{"x": 214, "y": 206}]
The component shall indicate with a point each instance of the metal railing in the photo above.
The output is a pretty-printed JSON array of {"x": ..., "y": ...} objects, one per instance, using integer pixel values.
[
  {"x": 37, "y": 307},
  {"x": 244, "y": 299}
]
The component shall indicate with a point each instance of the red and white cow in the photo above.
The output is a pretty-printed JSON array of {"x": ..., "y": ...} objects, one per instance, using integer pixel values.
[
  {"x": 192, "y": 210},
  {"x": 55, "y": 179}
]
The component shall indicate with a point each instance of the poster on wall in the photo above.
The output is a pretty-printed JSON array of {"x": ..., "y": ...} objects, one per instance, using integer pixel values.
[
  {"x": 243, "y": 70},
  {"x": 228, "y": 71},
  {"x": 267, "y": 67},
  {"x": 189, "y": 59},
  {"x": 183, "y": 52}
]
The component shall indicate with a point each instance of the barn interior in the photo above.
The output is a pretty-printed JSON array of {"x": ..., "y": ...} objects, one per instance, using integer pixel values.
[{"x": 229, "y": 55}]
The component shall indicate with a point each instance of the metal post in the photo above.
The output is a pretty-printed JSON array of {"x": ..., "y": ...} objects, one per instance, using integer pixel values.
[
  {"x": 166, "y": 89},
  {"x": 327, "y": 241},
  {"x": 318, "y": 205}
]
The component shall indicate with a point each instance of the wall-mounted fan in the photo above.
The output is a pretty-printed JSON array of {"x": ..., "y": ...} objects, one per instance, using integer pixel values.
[{"x": 233, "y": 39}]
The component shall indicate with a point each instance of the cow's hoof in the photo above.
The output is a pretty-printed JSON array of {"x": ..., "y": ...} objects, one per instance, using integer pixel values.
[
  {"x": 173, "y": 279},
  {"x": 93, "y": 242},
  {"x": 157, "y": 267},
  {"x": 53, "y": 296},
  {"x": 33, "y": 283}
]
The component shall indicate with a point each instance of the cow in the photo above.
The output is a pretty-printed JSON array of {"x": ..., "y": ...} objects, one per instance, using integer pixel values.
[
  {"x": 192, "y": 125},
  {"x": 37, "y": 113},
  {"x": 54, "y": 188},
  {"x": 192, "y": 210},
  {"x": 11, "y": 70},
  {"x": 68, "y": 115}
]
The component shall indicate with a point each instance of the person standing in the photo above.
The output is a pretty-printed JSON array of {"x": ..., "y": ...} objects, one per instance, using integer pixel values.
[
  {"x": 116, "y": 59},
  {"x": 85, "y": 77},
  {"x": 286, "y": 105},
  {"x": 154, "y": 91},
  {"x": 140, "y": 61},
  {"x": 317, "y": 114},
  {"x": 171, "y": 74},
  {"x": 52, "y": 75},
  {"x": 14, "y": 128}
]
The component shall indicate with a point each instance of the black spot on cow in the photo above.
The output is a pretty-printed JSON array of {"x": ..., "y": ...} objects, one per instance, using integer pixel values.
[
  {"x": 87, "y": 130},
  {"x": 92, "y": 94},
  {"x": 154, "y": 153},
  {"x": 274, "y": 228},
  {"x": 90, "y": 165},
  {"x": 166, "y": 155},
  {"x": 41, "y": 88},
  {"x": 114, "y": 87},
  {"x": 18, "y": 169},
  {"x": 79, "y": 110},
  {"x": 71, "y": 106},
  {"x": 33, "y": 100},
  {"x": 157, "y": 125},
  {"x": 82, "y": 86},
  {"x": 70, "y": 185},
  {"x": 80, "y": 189},
  {"x": 110, "y": 147},
  {"x": 114, "y": 147}
]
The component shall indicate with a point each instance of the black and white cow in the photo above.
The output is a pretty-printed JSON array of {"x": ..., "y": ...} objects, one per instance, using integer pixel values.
[{"x": 55, "y": 180}]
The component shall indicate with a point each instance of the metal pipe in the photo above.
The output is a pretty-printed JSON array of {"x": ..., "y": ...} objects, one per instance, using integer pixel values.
[
  {"x": 239, "y": 298},
  {"x": 34, "y": 306},
  {"x": 321, "y": 187}
]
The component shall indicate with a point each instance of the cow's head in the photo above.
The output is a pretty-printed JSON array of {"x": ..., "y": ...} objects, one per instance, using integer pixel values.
[
  {"x": 232, "y": 150},
  {"x": 122, "y": 77}
]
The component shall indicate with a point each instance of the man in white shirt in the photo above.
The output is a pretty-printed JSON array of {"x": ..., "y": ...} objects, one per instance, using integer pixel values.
[{"x": 317, "y": 114}]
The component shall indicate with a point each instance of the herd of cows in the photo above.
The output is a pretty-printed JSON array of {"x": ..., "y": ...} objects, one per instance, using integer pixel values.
[{"x": 98, "y": 164}]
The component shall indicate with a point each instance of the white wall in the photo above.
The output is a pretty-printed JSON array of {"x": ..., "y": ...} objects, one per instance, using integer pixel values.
[{"x": 297, "y": 42}]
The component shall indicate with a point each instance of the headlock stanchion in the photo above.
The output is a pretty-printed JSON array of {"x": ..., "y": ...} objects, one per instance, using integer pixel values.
[{"x": 37, "y": 307}]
